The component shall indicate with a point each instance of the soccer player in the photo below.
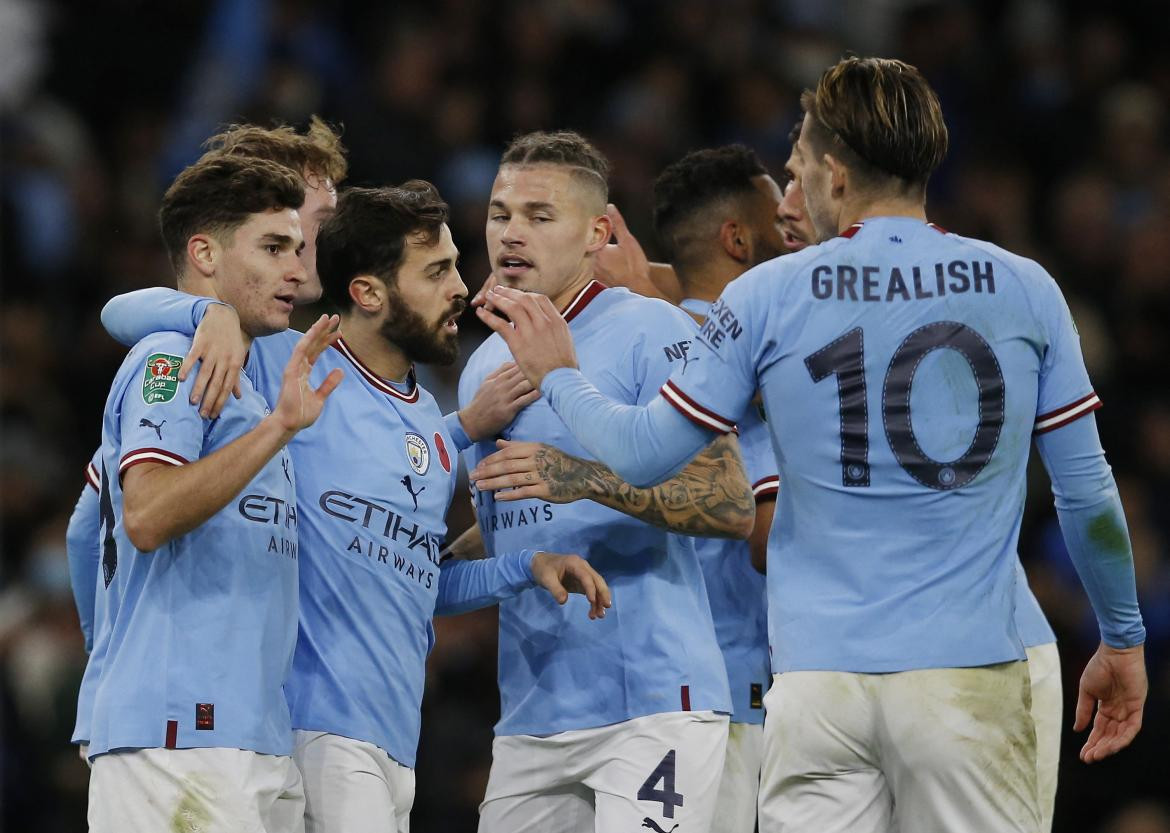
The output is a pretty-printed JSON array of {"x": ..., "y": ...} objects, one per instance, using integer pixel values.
[
  {"x": 375, "y": 479},
  {"x": 620, "y": 725},
  {"x": 318, "y": 157},
  {"x": 199, "y": 538},
  {"x": 716, "y": 212},
  {"x": 900, "y": 699}
]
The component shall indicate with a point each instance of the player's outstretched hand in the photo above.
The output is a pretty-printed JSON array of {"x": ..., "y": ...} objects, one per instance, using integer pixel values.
[
  {"x": 561, "y": 575},
  {"x": 504, "y": 393},
  {"x": 623, "y": 262},
  {"x": 530, "y": 470},
  {"x": 299, "y": 405},
  {"x": 1114, "y": 681},
  {"x": 479, "y": 299},
  {"x": 219, "y": 348},
  {"x": 537, "y": 334}
]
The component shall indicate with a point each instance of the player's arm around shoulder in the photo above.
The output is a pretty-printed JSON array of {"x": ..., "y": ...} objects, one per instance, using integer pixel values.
[{"x": 168, "y": 489}]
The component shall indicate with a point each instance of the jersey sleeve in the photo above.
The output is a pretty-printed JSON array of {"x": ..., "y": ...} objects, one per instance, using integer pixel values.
[
  {"x": 755, "y": 444},
  {"x": 157, "y": 422},
  {"x": 133, "y": 316},
  {"x": 1065, "y": 392},
  {"x": 717, "y": 381},
  {"x": 469, "y": 585},
  {"x": 83, "y": 549}
]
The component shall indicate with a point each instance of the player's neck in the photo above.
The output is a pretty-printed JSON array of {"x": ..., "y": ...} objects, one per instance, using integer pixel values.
[
  {"x": 572, "y": 289},
  {"x": 365, "y": 340},
  {"x": 892, "y": 206},
  {"x": 707, "y": 282}
]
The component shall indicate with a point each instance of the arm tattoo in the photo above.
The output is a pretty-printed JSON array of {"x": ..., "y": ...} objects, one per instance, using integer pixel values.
[{"x": 710, "y": 497}]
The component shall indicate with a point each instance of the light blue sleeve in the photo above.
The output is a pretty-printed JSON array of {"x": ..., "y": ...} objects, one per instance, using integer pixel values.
[
  {"x": 1093, "y": 524},
  {"x": 455, "y": 429},
  {"x": 133, "y": 316},
  {"x": 470, "y": 585},
  {"x": 642, "y": 445},
  {"x": 84, "y": 552}
]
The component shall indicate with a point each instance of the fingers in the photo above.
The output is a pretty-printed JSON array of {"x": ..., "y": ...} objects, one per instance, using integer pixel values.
[
  {"x": 527, "y": 399},
  {"x": 202, "y": 378},
  {"x": 495, "y": 322},
  {"x": 220, "y": 390},
  {"x": 324, "y": 332},
  {"x": 480, "y": 298},
  {"x": 620, "y": 229},
  {"x": 534, "y": 492},
  {"x": 330, "y": 384},
  {"x": 1084, "y": 712}
]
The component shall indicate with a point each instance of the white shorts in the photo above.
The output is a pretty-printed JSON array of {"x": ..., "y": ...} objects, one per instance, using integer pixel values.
[
  {"x": 934, "y": 751},
  {"x": 658, "y": 773},
  {"x": 1047, "y": 707},
  {"x": 205, "y": 790},
  {"x": 352, "y": 786},
  {"x": 735, "y": 808}
]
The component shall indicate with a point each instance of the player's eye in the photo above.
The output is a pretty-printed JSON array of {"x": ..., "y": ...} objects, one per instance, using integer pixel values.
[
  {"x": 541, "y": 218},
  {"x": 273, "y": 248}
]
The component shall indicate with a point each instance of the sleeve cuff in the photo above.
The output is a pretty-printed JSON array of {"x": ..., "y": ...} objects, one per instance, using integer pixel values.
[
  {"x": 696, "y": 413},
  {"x": 200, "y": 309}
]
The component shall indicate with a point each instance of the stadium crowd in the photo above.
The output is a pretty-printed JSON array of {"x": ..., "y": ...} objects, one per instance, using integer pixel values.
[{"x": 1059, "y": 151}]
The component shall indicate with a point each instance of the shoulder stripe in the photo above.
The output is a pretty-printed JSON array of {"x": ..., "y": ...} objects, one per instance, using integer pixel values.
[
  {"x": 376, "y": 380},
  {"x": 1069, "y": 413},
  {"x": 695, "y": 412},
  {"x": 92, "y": 476},
  {"x": 767, "y": 487},
  {"x": 149, "y": 455}
]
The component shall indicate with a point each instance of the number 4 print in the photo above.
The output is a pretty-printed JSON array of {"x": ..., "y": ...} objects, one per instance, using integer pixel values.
[{"x": 669, "y": 799}]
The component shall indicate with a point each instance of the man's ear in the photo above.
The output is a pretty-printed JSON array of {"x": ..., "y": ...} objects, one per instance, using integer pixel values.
[
  {"x": 733, "y": 239},
  {"x": 839, "y": 180},
  {"x": 599, "y": 233},
  {"x": 203, "y": 252},
  {"x": 368, "y": 293}
]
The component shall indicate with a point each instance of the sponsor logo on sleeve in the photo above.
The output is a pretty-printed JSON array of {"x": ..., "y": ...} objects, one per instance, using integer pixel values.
[
  {"x": 418, "y": 453},
  {"x": 160, "y": 380}
]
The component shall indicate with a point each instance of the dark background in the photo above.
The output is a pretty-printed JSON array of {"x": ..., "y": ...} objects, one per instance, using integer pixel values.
[{"x": 1059, "y": 151}]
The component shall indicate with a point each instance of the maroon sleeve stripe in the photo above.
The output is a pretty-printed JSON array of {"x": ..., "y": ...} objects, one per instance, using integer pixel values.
[
  {"x": 1069, "y": 413},
  {"x": 695, "y": 412},
  {"x": 766, "y": 488},
  {"x": 149, "y": 455},
  {"x": 92, "y": 476}
]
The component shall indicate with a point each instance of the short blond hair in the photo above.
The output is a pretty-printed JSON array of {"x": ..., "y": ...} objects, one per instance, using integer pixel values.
[{"x": 316, "y": 152}]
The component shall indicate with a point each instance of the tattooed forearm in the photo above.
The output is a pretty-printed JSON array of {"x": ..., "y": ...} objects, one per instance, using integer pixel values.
[{"x": 710, "y": 497}]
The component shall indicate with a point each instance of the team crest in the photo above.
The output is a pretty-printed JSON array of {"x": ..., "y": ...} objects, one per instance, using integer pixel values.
[
  {"x": 160, "y": 380},
  {"x": 418, "y": 453}
]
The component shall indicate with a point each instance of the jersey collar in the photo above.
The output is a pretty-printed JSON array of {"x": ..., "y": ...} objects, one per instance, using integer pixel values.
[
  {"x": 590, "y": 291},
  {"x": 377, "y": 381},
  {"x": 856, "y": 227}
]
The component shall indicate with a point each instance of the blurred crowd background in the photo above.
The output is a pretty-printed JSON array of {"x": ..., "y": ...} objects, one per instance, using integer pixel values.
[{"x": 1058, "y": 119}]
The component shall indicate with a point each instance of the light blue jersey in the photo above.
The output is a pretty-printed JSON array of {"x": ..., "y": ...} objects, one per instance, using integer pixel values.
[
  {"x": 903, "y": 370},
  {"x": 82, "y": 546},
  {"x": 201, "y": 630},
  {"x": 375, "y": 475},
  {"x": 655, "y": 651}
]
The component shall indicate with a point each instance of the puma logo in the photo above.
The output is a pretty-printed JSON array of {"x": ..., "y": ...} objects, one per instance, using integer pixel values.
[
  {"x": 687, "y": 359},
  {"x": 650, "y": 823},
  {"x": 284, "y": 465},
  {"x": 146, "y": 423},
  {"x": 413, "y": 494}
]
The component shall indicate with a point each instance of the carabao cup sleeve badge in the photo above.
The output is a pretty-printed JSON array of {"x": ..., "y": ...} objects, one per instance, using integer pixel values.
[{"x": 160, "y": 380}]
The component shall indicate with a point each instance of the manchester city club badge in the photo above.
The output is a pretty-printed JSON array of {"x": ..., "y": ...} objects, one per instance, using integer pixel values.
[
  {"x": 160, "y": 380},
  {"x": 418, "y": 453}
]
